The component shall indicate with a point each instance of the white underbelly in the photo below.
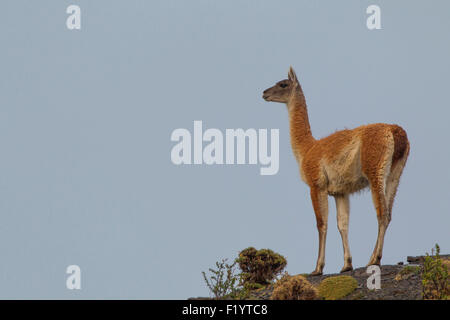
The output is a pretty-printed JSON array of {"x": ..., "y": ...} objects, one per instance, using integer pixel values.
[{"x": 343, "y": 175}]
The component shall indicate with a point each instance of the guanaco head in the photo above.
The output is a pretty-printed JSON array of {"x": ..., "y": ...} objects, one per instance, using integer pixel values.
[{"x": 283, "y": 90}]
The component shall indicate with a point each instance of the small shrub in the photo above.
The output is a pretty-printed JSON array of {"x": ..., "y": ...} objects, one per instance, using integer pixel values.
[
  {"x": 294, "y": 288},
  {"x": 224, "y": 281},
  {"x": 260, "y": 266},
  {"x": 435, "y": 282},
  {"x": 334, "y": 288}
]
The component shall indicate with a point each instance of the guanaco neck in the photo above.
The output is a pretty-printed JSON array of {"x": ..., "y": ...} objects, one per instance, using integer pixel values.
[{"x": 300, "y": 130}]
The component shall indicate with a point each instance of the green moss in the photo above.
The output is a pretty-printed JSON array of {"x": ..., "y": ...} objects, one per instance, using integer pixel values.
[{"x": 334, "y": 288}]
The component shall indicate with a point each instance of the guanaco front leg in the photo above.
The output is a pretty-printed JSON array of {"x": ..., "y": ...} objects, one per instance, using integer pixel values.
[
  {"x": 320, "y": 203},
  {"x": 343, "y": 214}
]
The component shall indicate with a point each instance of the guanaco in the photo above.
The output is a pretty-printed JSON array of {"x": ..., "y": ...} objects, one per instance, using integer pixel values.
[{"x": 343, "y": 163}]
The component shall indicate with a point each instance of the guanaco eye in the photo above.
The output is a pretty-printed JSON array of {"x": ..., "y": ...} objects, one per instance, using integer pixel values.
[{"x": 283, "y": 85}]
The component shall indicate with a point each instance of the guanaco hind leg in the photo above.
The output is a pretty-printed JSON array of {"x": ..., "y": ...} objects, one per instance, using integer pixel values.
[
  {"x": 384, "y": 200},
  {"x": 379, "y": 201},
  {"x": 393, "y": 181},
  {"x": 378, "y": 187}
]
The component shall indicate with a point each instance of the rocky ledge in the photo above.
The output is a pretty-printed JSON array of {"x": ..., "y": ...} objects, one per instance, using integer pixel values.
[{"x": 398, "y": 282}]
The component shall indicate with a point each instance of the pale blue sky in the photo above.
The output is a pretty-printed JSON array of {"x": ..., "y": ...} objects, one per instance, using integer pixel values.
[{"x": 86, "y": 118}]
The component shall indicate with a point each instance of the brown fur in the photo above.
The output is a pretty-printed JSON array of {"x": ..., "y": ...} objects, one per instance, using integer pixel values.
[
  {"x": 401, "y": 144},
  {"x": 342, "y": 163}
]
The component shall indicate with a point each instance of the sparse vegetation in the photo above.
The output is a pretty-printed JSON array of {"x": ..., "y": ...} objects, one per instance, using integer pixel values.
[
  {"x": 294, "y": 288},
  {"x": 334, "y": 288},
  {"x": 224, "y": 281},
  {"x": 435, "y": 282},
  {"x": 260, "y": 267}
]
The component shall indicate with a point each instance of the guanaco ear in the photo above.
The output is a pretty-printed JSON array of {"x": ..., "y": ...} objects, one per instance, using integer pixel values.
[{"x": 292, "y": 76}]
